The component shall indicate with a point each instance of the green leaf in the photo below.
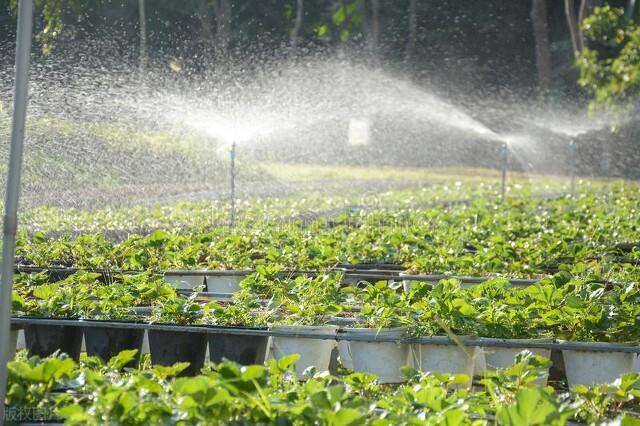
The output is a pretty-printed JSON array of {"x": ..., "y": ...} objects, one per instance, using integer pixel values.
[
  {"x": 347, "y": 417},
  {"x": 288, "y": 361}
]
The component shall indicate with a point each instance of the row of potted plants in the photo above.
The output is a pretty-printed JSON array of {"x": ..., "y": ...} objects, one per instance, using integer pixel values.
[
  {"x": 91, "y": 392},
  {"x": 527, "y": 238},
  {"x": 559, "y": 308}
]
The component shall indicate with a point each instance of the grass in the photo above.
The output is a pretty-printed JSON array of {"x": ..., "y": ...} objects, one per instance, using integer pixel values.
[{"x": 289, "y": 172}]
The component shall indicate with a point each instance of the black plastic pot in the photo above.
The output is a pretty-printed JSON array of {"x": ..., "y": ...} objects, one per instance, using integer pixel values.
[
  {"x": 370, "y": 266},
  {"x": 106, "y": 342},
  {"x": 43, "y": 340},
  {"x": 169, "y": 347},
  {"x": 54, "y": 273},
  {"x": 627, "y": 247},
  {"x": 59, "y": 274},
  {"x": 244, "y": 350}
]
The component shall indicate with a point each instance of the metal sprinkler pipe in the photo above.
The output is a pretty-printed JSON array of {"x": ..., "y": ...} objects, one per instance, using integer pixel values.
[
  {"x": 505, "y": 161},
  {"x": 20, "y": 98},
  {"x": 233, "y": 184},
  {"x": 572, "y": 166}
]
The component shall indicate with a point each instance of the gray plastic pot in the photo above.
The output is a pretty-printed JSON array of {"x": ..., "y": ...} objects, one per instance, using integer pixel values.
[
  {"x": 225, "y": 282},
  {"x": 313, "y": 352},
  {"x": 593, "y": 368},
  {"x": 384, "y": 359},
  {"x": 504, "y": 357},
  {"x": 184, "y": 281},
  {"x": 445, "y": 359}
]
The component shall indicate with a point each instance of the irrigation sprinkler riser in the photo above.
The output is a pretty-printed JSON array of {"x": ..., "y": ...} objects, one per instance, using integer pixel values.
[
  {"x": 505, "y": 160},
  {"x": 572, "y": 166},
  {"x": 233, "y": 184}
]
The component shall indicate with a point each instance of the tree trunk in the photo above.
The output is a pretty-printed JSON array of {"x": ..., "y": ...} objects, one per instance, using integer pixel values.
[
  {"x": 143, "y": 36},
  {"x": 370, "y": 23},
  {"x": 375, "y": 25},
  {"x": 223, "y": 26},
  {"x": 543, "y": 52},
  {"x": 366, "y": 24},
  {"x": 631, "y": 9},
  {"x": 208, "y": 39},
  {"x": 297, "y": 23},
  {"x": 413, "y": 29},
  {"x": 570, "y": 15},
  {"x": 586, "y": 6}
]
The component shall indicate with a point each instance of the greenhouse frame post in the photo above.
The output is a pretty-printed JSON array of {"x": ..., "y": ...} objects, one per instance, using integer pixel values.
[{"x": 23, "y": 51}]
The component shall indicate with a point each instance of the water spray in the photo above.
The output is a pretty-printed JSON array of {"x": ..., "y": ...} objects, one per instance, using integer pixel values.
[
  {"x": 233, "y": 184},
  {"x": 572, "y": 166},
  {"x": 505, "y": 160}
]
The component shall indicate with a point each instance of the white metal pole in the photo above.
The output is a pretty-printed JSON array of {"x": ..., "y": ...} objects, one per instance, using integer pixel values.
[{"x": 23, "y": 51}]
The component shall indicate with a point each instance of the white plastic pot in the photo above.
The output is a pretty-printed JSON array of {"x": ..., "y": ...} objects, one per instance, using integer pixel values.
[
  {"x": 445, "y": 359},
  {"x": 226, "y": 282},
  {"x": 384, "y": 359},
  {"x": 592, "y": 368},
  {"x": 184, "y": 282},
  {"x": 313, "y": 352}
]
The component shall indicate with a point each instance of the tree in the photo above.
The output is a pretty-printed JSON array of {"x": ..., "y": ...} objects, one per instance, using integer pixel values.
[
  {"x": 610, "y": 66},
  {"x": 52, "y": 13},
  {"x": 541, "y": 38},
  {"x": 574, "y": 22}
]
